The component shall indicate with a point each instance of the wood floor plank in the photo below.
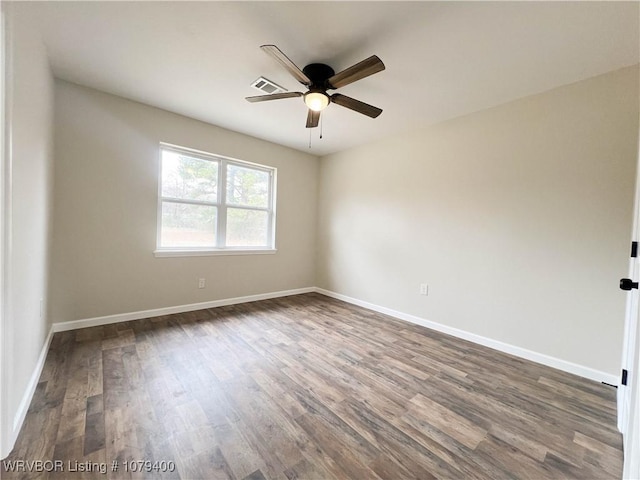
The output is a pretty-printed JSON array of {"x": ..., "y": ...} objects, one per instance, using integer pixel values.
[
  {"x": 505, "y": 457},
  {"x": 448, "y": 421},
  {"x": 308, "y": 387}
]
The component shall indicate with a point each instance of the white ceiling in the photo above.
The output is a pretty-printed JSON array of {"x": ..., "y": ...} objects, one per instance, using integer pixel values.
[{"x": 443, "y": 59}]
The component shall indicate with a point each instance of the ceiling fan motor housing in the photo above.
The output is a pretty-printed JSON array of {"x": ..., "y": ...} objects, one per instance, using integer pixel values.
[{"x": 318, "y": 73}]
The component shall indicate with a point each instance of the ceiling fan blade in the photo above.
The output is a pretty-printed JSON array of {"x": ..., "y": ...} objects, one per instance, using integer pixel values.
[
  {"x": 313, "y": 118},
  {"x": 273, "y": 96},
  {"x": 357, "y": 72},
  {"x": 291, "y": 67},
  {"x": 356, "y": 105}
]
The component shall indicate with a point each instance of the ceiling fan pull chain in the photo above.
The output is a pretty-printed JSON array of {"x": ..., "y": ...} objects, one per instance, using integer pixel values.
[
  {"x": 321, "y": 127},
  {"x": 310, "y": 138}
]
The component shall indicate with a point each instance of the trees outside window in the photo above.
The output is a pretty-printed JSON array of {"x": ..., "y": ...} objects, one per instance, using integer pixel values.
[{"x": 208, "y": 202}]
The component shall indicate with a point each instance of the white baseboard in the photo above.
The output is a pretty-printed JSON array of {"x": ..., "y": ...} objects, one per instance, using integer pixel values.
[
  {"x": 27, "y": 396},
  {"x": 541, "y": 358},
  {"x": 156, "y": 312}
]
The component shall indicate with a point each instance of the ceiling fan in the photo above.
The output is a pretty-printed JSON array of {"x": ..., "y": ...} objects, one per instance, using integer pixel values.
[{"x": 319, "y": 78}]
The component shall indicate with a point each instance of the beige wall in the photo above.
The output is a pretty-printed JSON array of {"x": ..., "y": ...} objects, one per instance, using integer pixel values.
[
  {"x": 106, "y": 177},
  {"x": 29, "y": 107},
  {"x": 518, "y": 218}
]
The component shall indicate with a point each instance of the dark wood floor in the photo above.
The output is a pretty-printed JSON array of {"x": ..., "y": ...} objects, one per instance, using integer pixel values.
[{"x": 308, "y": 387}]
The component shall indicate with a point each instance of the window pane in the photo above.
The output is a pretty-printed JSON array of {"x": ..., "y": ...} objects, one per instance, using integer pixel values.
[
  {"x": 246, "y": 186},
  {"x": 247, "y": 228},
  {"x": 185, "y": 225},
  {"x": 188, "y": 177}
]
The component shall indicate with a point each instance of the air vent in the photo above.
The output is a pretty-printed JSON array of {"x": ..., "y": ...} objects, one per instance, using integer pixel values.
[{"x": 267, "y": 86}]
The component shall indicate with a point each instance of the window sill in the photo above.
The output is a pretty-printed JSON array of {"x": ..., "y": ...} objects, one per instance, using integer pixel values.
[{"x": 214, "y": 252}]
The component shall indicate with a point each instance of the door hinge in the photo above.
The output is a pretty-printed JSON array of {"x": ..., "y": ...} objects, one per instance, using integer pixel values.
[
  {"x": 634, "y": 249},
  {"x": 624, "y": 377}
]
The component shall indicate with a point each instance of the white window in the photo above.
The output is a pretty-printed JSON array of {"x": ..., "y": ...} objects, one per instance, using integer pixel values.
[{"x": 210, "y": 205}]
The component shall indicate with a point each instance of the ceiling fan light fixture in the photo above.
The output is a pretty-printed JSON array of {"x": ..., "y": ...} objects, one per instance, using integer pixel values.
[{"x": 316, "y": 101}]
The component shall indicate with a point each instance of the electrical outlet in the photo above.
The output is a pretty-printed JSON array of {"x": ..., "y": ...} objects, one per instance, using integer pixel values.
[
  {"x": 424, "y": 289},
  {"x": 201, "y": 282}
]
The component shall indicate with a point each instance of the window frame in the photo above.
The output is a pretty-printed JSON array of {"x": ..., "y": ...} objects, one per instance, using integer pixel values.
[{"x": 221, "y": 205}]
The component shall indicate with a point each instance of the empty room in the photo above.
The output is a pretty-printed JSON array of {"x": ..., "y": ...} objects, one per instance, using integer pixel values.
[{"x": 319, "y": 240}]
